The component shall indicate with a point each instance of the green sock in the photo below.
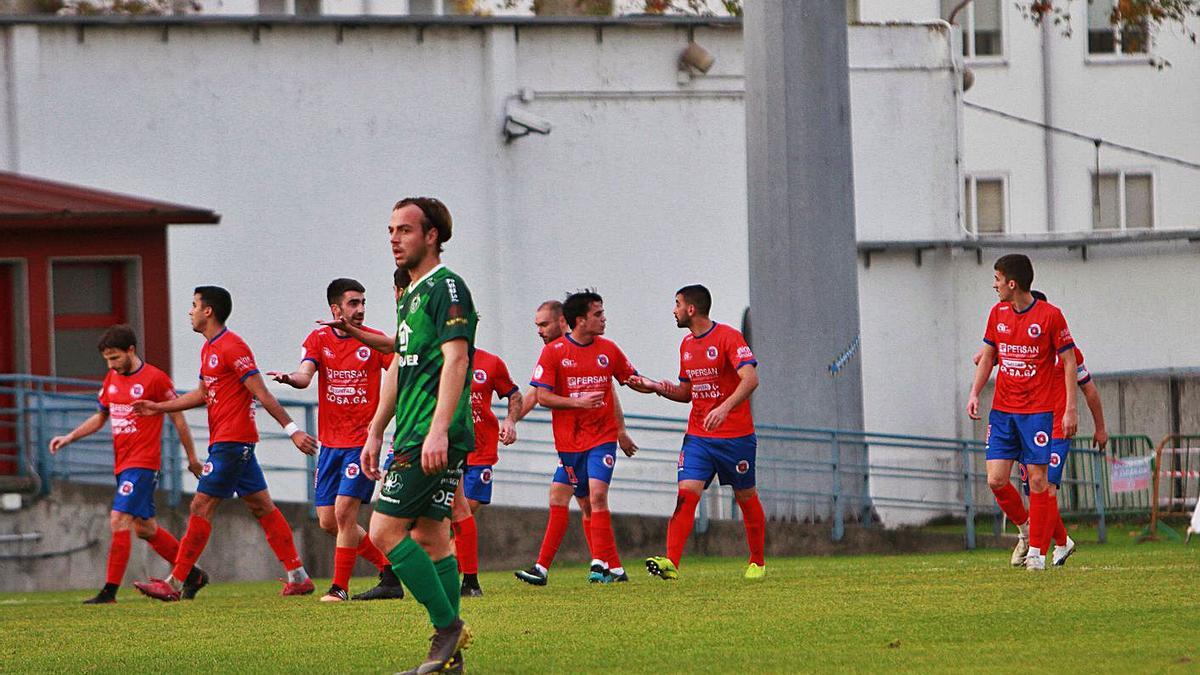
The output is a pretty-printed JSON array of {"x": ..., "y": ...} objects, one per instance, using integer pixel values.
[
  {"x": 447, "y": 569},
  {"x": 415, "y": 569}
]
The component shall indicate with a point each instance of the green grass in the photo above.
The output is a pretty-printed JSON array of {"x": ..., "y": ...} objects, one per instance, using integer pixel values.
[{"x": 1119, "y": 607}]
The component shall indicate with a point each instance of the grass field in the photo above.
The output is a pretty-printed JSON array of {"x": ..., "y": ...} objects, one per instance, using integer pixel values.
[{"x": 1118, "y": 607}]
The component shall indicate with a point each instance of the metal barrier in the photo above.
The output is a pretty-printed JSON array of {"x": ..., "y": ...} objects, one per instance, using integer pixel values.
[{"x": 1176, "y": 485}]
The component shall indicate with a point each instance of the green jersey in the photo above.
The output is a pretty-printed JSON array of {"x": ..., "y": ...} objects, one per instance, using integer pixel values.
[{"x": 435, "y": 309}]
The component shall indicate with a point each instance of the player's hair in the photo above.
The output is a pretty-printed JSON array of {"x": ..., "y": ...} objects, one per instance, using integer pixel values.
[
  {"x": 555, "y": 307},
  {"x": 1039, "y": 296},
  {"x": 697, "y": 296},
  {"x": 216, "y": 298},
  {"x": 401, "y": 278},
  {"x": 434, "y": 215},
  {"x": 576, "y": 306},
  {"x": 338, "y": 287},
  {"x": 119, "y": 336},
  {"x": 1018, "y": 268}
]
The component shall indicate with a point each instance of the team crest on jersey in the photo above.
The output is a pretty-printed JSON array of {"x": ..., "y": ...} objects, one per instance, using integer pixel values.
[
  {"x": 415, "y": 304},
  {"x": 711, "y": 353},
  {"x": 480, "y": 375},
  {"x": 137, "y": 390},
  {"x": 602, "y": 360},
  {"x": 363, "y": 353},
  {"x": 208, "y": 468},
  {"x": 1041, "y": 438},
  {"x": 1035, "y": 330},
  {"x": 212, "y": 360},
  {"x": 1055, "y": 460},
  {"x": 126, "y": 488},
  {"x": 742, "y": 466},
  {"x": 352, "y": 471},
  {"x": 485, "y": 476},
  {"x": 610, "y": 461}
]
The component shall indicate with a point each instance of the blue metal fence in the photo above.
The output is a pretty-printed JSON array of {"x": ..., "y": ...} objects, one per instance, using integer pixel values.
[{"x": 923, "y": 477}]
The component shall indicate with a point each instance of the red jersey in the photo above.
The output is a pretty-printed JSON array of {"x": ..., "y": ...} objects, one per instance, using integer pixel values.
[
  {"x": 1027, "y": 344},
  {"x": 1082, "y": 377},
  {"x": 568, "y": 368},
  {"x": 137, "y": 441},
  {"x": 490, "y": 376},
  {"x": 348, "y": 377},
  {"x": 225, "y": 363},
  {"x": 710, "y": 362}
]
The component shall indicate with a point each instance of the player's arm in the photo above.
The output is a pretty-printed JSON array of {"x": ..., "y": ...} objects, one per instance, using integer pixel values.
[
  {"x": 588, "y": 399},
  {"x": 748, "y": 382},
  {"x": 189, "y": 445},
  {"x": 983, "y": 370},
  {"x": 380, "y": 343},
  {"x": 624, "y": 440},
  {"x": 455, "y": 362},
  {"x": 1070, "y": 420},
  {"x": 1091, "y": 396},
  {"x": 193, "y": 399},
  {"x": 508, "y": 426},
  {"x": 384, "y": 412},
  {"x": 299, "y": 378},
  {"x": 300, "y": 438},
  {"x": 88, "y": 427}
]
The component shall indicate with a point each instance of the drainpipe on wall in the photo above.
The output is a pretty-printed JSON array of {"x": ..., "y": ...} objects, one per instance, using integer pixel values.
[{"x": 1048, "y": 119}]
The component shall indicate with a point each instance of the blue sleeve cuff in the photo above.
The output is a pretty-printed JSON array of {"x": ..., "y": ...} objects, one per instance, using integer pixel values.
[
  {"x": 309, "y": 358},
  {"x": 685, "y": 379},
  {"x": 543, "y": 386},
  {"x": 509, "y": 394},
  {"x": 243, "y": 377},
  {"x": 751, "y": 362},
  {"x": 988, "y": 342},
  {"x": 1066, "y": 347},
  {"x": 103, "y": 408}
]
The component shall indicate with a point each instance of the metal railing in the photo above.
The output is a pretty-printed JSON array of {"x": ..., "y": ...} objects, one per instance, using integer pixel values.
[{"x": 824, "y": 476}]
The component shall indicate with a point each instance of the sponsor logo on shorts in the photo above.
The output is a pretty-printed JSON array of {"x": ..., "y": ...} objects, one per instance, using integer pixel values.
[
  {"x": 1035, "y": 330},
  {"x": 742, "y": 466},
  {"x": 363, "y": 353},
  {"x": 1041, "y": 438},
  {"x": 988, "y": 436},
  {"x": 711, "y": 353},
  {"x": 1055, "y": 460},
  {"x": 485, "y": 476},
  {"x": 1022, "y": 473},
  {"x": 126, "y": 488},
  {"x": 137, "y": 390},
  {"x": 602, "y": 360},
  {"x": 610, "y": 461},
  {"x": 212, "y": 360},
  {"x": 480, "y": 375},
  {"x": 352, "y": 470},
  {"x": 208, "y": 468},
  {"x": 680, "y": 459},
  {"x": 392, "y": 482}
]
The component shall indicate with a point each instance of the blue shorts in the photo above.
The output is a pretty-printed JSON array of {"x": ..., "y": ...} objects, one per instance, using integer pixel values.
[
  {"x": 135, "y": 493},
  {"x": 577, "y": 468},
  {"x": 1024, "y": 438},
  {"x": 730, "y": 459},
  {"x": 477, "y": 483},
  {"x": 231, "y": 468},
  {"x": 1059, "y": 449},
  {"x": 339, "y": 475}
]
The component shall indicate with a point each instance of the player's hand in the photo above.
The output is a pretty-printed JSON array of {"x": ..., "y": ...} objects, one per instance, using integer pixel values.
[
  {"x": 508, "y": 431},
  {"x": 642, "y": 384},
  {"x": 195, "y": 467},
  {"x": 978, "y": 356},
  {"x": 1100, "y": 439},
  {"x": 368, "y": 459},
  {"x": 281, "y": 378},
  {"x": 338, "y": 323},
  {"x": 1070, "y": 423},
  {"x": 143, "y": 408},
  {"x": 626, "y": 442},
  {"x": 716, "y": 417},
  {"x": 589, "y": 399},
  {"x": 304, "y": 443},
  {"x": 434, "y": 453},
  {"x": 58, "y": 443},
  {"x": 973, "y": 407}
]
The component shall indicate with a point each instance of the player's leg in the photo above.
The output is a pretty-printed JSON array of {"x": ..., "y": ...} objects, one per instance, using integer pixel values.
[
  {"x": 562, "y": 486},
  {"x": 432, "y": 533},
  {"x": 1034, "y": 431},
  {"x": 345, "y": 488},
  {"x": 606, "y": 562},
  {"x": 1064, "y": 546},
  {"x": 276, "y": 530},
  {"x": 118, "y": 557},
  {"x": 1003, "y": 449},
  {"x": 466, "y": 535},
  {"x": 735, "y": 459},
  {"x": 195, "y": 538}
]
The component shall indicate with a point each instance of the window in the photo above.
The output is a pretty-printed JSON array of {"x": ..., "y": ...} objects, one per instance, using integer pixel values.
[
  {"x": 88, "y": 298},
  {"x": 1105, "y": 38},
  {"x": 1123, "y": 201},
  {"x": 981, "y": 23},
  {"x": 985, "y": 209}
]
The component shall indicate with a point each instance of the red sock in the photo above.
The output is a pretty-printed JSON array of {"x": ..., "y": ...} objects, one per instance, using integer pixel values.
[
  {"x": 1060, "y": 530},
  {"x": 604, "y": 544},
  {"x": 343, "y": 565},
  {"x": 680, "y": 526},
  {"x": 1010, "y": 503},
  {"x": 194, "y": 541},
  {"x": 755, "y": 522},
  {"x": 466, "y": 537},
  {"x": 1037, "y": 519},
  {"x": 279, "y": 536},
  {"x": 1051, "y": 522},
  {"x": 587, "y": 532},
  {"x": 556, "y": 529},
  {"x": 118, "y": 556},
  {"x": 164, "y": 544},
  {"x": 368, "y": 550}
]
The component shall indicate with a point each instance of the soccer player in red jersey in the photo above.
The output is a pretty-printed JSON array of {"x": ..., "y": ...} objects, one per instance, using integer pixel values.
[
  {"x": 489, "y": 376},
  {"x": 229, "y": 383},
  {"x": 574, "y": 379},
  {"x": 137, "y": 455},
  {"x": 717, "y": 375},
  {"x": 348, "y": 375},
  {"x": 1023, "y": 335}
]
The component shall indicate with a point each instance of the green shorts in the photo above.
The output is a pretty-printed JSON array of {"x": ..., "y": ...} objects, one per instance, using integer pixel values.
[{"x": 409, "y": 493}]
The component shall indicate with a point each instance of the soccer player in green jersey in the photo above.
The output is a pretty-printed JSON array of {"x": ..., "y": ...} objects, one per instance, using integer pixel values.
[{"x": 428, "y": 393}]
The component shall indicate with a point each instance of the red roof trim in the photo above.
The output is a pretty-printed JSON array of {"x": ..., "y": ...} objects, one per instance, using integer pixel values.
[{"x": 27, "y": 202}]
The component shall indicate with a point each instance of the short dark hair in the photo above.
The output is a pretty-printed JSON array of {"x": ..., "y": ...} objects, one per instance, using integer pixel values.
[
  {"x": 218, "y": 299},
  {"x": 338, "y": 287},
  {"x": 401, "y": 278},
  {"x": 1038, "y": 295},
  {"x": 697, "y": 296},
  {"x": 1018, "y": 268},
  {"x": 577, "y": 304},
  {"x": 434, "y": 215},
  {"x": 120, "y": 336},
  {"x": 555, "y": 307}
]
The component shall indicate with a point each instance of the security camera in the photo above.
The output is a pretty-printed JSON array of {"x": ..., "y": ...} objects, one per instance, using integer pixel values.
[
  {"x": 696, "y": 58},
  {"x": 520, "y": 122}
]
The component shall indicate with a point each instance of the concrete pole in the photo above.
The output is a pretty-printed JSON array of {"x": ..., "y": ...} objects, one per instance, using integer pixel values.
[{"x": 803, "y": 253}]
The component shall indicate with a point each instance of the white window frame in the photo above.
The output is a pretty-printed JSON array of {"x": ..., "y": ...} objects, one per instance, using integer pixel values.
[
  {"x": 966, "y": 21},
  {"x": 1121, "y": 173},
  {"x": 971, "y": 194},
  {"x": 1118, "y": 56}
]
